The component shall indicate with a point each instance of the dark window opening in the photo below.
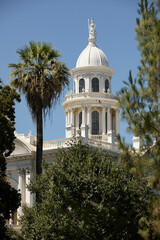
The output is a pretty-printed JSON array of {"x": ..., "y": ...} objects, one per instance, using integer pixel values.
[
  {"x": 113, "y": 121},
  {"x": 95, "y": 123},
  {"x": 80, "y": 119},
  {"x": 106, "y": 121},
  {"x": 95, "y": 85},
  {"x": 106, "y": 85},
  {"x": 81, "y": 85}
]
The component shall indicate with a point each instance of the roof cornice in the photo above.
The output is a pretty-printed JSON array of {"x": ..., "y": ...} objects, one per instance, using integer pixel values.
[{"x": 92, "y": 68}]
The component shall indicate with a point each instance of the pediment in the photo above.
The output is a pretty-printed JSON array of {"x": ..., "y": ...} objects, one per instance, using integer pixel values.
[{"x": 21, "y": 148}]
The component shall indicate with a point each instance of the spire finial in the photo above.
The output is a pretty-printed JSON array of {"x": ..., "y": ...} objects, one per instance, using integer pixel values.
[{"x": 92, "y": 31}]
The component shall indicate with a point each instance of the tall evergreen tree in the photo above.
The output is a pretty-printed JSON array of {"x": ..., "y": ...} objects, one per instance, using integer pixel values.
[
  {"x": 140, "y": 102},
  {"x": 41, "y": 77}
]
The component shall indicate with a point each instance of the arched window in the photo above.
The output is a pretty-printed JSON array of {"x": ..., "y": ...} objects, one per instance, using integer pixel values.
[
  {"x": 95, "y": 85},
  {"x": 81, "y": 84},
  {"x": 106, "y": 85},
  {"x": 80, "y": 119},
  {"x": 95, "y": 123}
]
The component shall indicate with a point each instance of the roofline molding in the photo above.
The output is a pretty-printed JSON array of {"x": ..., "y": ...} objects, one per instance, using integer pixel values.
[{"x": 92, "y": 68}]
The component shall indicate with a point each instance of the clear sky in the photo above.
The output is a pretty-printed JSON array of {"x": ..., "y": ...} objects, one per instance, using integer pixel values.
[{"x": 65, "y": 24}]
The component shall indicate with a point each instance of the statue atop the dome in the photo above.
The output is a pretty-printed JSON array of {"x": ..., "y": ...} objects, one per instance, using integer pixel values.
[{"x": 92, "y": 31}]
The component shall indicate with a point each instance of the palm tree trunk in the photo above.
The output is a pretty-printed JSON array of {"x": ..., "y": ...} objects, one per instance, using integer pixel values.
[{"x": 39, "y": 150}]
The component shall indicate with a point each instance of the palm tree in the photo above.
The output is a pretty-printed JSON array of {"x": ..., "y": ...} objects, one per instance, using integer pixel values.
[{"x": 41, "y": 77}]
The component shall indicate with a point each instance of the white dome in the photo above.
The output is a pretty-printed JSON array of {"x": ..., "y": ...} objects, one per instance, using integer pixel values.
[{"x": 92, "y": 56}]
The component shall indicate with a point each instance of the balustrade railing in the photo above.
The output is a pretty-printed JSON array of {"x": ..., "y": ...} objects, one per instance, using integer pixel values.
[
  {"x": 55, "y": 143},
  {"x": 91, "y": 95},
  {"x": 94, "y": 140}
]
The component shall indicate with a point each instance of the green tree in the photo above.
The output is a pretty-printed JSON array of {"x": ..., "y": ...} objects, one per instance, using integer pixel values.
[
  {"x": 41, "y": 77},
  {"x": 13, "y": 234},
  {"x": 9, "y": 197},
  {"x": 140, "y": 107},
  {"x": 86, "y": 195}
]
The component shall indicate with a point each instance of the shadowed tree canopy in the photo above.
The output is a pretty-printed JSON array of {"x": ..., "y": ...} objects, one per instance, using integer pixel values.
[
  {"x": 85, "y": 195},
  {"x": 9, "y": 197},
  {"x": 42, "y": 78}
]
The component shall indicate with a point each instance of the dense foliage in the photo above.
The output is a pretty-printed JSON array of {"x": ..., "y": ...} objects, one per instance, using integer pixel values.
[
  {"x": 41, "y": 77},
  {"x": 9, "y": 197},
  {"x": 140, "y": 107},
  {"x": 85, "y": 194}
]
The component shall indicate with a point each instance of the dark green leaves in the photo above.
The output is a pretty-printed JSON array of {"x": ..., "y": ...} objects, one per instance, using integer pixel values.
[
  {"x": 85, "y": 194},
  {"x": 9, "y": 197}
]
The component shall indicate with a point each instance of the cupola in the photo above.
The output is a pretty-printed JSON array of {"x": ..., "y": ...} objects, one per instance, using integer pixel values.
[{"x": 91, "y": 108}]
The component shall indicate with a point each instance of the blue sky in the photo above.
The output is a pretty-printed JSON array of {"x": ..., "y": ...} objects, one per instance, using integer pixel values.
[{"x": 65, "y": 24}]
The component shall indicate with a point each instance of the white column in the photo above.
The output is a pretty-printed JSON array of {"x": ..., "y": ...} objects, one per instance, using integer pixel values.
[
  {"x": 89, "y": 81},
  {"x": 77, "y": 122},
  {"x": 103, "y": 121},
  {"x": 69, "y": 126},
  {"x": 29, "y": 196},
  {"x": 28, "y": 193},
  {"x": 66, "y": 113},
  {"x": 88, "y": 115},
  {"x": 108, "y": 119},
  {"x": 109, "y": 130},
  {"x": 104, "y": 83},
  {"x": 86, "y": 83},
  {"x": 72, "y": 117},
  {"x": 20, "y": 181},
  {"x": 83, "y": 115},
  {"x": 89, "y": 120},
  {"x": 117, "y": 121},
  {"x": 84, "y": 127},
  {"x": 68, "y": 118},
  {"x": 77, "y": 85},
  {"x": 21, "y": 184},
  {"x": 100, "y": 84}
]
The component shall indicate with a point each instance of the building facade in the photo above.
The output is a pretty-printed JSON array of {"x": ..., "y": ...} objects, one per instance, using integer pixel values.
[{"x": 91, "y": 110}]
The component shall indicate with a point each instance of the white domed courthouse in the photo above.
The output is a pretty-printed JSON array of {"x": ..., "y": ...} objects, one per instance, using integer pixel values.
[{"x": 91, "y": 110}]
